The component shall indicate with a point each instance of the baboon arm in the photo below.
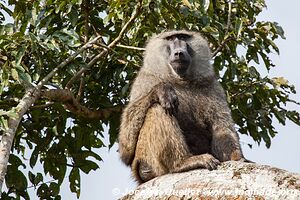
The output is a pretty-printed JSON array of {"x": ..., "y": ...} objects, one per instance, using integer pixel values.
[
  {"x": 225, "y": 140},
  {"x": 132, "y": 120}
]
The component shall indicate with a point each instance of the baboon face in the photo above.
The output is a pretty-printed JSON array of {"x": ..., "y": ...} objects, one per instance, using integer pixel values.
[{"x": 179, "y": 53}]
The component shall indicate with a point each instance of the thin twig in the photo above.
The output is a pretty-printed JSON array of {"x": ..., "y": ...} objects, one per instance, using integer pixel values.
[
  {"x": 221, "y": 46},
  {"x": 42, "y": 106},
  {"x": 81, "y": 86},
  {"x": 86, "y": 20},
  {"x": 102, "y": 46},
  {"x": 229, "y": 17},
  {"x": 131, "y": 47}
]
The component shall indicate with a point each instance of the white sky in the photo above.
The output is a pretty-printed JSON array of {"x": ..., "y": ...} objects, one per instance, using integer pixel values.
[{"x": 113, "y": 178}]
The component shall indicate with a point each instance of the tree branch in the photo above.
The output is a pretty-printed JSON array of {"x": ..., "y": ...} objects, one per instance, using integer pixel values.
[
  {"x": 232, "y": 180},
  {"x": 66, "y": 97},
  {"x": 7, "y": 138}
]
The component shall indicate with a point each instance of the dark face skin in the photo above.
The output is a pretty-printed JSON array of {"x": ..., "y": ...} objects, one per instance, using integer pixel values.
[{"x": 180, "y": 53}]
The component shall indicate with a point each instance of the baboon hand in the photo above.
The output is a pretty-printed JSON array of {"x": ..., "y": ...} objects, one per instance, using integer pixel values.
[
  {"x": 209, "y": 162},
  {"x": 167, "y": 98}
]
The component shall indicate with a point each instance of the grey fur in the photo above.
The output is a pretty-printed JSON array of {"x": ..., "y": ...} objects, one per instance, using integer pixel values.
[{"x": 176, "y": 123}]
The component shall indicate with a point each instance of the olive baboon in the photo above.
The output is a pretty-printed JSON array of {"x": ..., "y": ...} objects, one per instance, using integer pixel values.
[{"x": 177, "y": 118}]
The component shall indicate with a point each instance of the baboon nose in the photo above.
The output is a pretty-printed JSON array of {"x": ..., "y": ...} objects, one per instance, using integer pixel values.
[{"x": 178, "y": 54}]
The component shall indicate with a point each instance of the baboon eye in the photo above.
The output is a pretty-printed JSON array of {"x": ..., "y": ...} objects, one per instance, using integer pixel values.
[
  {"x": 183, "y": 37},
  {"x": 179, "y": 36},
  {"x": 172, "y": 37}
]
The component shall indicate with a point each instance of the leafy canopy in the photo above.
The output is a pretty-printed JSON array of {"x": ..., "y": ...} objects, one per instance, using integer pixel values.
[{"x": 65, "y": 124}]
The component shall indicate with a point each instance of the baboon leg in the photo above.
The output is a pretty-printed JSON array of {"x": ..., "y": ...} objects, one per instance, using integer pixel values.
[
  {"x": 162, "y": 149},
  {"x": 160, "y": 145},
  {"x": 225, "y": 141}
]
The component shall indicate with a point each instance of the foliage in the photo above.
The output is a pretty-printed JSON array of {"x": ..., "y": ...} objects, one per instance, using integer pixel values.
[{"x": 44, "y": 33}]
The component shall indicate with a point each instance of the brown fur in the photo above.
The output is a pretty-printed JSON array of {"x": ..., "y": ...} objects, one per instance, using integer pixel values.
[{"x": 176, "y": 123}]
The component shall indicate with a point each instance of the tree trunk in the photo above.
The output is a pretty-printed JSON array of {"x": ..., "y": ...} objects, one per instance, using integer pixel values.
[{"x": 232, "y": 180}]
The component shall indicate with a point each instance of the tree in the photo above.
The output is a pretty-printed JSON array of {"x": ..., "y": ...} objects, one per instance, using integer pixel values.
[{"x": 66, "y": 67}]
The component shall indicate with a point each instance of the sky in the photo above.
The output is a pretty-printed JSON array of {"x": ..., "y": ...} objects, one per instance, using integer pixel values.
[{"x": 113, "y": 179}]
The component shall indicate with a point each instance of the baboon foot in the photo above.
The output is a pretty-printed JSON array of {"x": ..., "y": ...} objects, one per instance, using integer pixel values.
[{"x": 206, "y": 161}]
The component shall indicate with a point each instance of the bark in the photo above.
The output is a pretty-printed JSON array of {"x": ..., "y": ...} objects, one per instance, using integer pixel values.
[
  {"x": 66, "y": 97},
  {"x": 232, "y": 180},
  {"x": 13, "y": 123}
]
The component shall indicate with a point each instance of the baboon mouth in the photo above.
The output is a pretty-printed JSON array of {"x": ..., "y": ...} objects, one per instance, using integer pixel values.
[{"x": 180, "y": 66}]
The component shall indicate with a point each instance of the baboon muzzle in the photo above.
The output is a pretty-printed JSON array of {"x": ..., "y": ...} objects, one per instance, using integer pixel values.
[{"x": 180, "y": 58}]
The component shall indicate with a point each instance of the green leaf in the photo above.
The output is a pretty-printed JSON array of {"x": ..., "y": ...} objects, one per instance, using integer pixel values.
[
  {"x": 43, "y": 191},
  {"x": 88, "y": 165},
  {"x": 279, "y": 30},
  {"x": 205, "y": 5},
  {"x": 187, "y": 3},
  {"x": 294, "y": 116},
  {"x": 74, "y": 180},
  {"x": 9, "y": 28},
  {"x": 20, "y": 54},
  {"x": 280, "y": 115},
  {"x": 33, "y": 157},
  {"x": 15, "y": 74},
  {"x": 35, "y": 179},
  {"x": 15, "y": 161},
  {"x": 3, "y": 124},
  {"x": 238, "y": 27},
  {"x": 15, "y": 178},
  {"x": 31, "y": 177},
  {"x": 266, "y": 138},
  {"x": 54, "y": 189},
  {"x": 39, "y": 178},
  {"x": 280, "y": 81},
  {"x": 25, "y": 77}
]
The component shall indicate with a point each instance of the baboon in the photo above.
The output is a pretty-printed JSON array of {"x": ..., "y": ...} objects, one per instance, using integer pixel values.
[{"x": 177, "y": 118}]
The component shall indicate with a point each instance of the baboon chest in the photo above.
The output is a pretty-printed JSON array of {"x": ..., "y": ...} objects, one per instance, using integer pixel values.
[{"x": 192, "y": 118}]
